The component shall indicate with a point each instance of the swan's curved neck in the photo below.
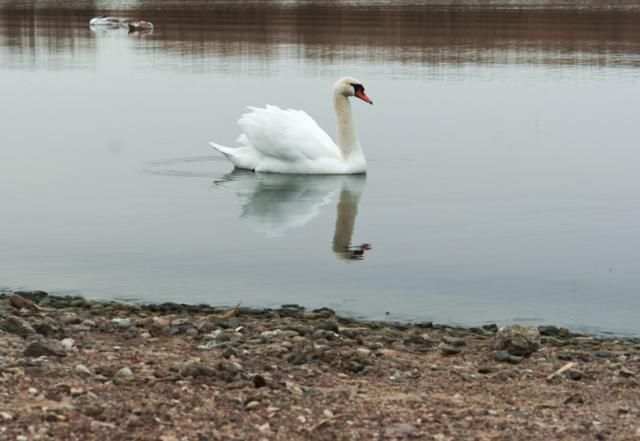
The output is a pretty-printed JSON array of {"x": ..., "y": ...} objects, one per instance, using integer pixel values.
[{"x": 347, "y": 136}]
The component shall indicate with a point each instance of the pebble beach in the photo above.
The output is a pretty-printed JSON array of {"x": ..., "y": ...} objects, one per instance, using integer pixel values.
[{"x": 78, "y": 369}]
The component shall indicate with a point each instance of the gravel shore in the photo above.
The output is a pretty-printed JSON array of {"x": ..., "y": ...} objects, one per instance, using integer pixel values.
[{"x": 76, "y": 369}]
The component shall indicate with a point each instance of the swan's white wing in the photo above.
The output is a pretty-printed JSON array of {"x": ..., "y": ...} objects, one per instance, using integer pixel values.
[{"x": 289, "y": 135}]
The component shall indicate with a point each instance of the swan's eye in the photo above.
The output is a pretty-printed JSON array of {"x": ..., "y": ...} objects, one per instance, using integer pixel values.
[{"x": 358, "y": 88}]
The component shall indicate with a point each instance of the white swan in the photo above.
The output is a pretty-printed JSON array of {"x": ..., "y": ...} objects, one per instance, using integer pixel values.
[{"x": 289, "y": 141}]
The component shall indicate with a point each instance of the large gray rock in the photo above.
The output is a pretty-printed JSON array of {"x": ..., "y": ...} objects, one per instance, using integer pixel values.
[
  {"x": 13, "y": 325},
  {"x": 44, "y": 348},
  {"x": 518, "y": 340},
  {"x": 19, "y": 302}
]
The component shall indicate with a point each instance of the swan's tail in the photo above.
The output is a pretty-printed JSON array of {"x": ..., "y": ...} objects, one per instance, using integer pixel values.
[{"x": 241, "y": 157}]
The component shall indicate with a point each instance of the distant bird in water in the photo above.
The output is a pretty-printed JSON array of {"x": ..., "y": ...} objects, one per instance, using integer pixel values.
[
  {"x": 116, "y": 22},
  {"x": 140, "y": 25},
  {"x": 107, "y": 21}
]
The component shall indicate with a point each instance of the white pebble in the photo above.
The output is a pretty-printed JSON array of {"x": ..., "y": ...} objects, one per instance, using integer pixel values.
[
  {"x": 125, "y": 372},
  {"x": 67, "y": 343},
  {"x": 83, "y": 371},
  {"x": 269, "y": 334}
]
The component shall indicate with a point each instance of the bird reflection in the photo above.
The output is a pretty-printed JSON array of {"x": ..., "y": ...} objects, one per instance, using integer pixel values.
[
  {"x": 347, "y": 211},
  {"x": 273, "y": 204}
]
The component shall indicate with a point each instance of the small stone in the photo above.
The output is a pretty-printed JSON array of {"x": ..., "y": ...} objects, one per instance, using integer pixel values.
[
  {"x": 83, "y": 371},
  {"x": 45, "y": 329},
  {"x": 122, "y": 323},
  {"x": 70, "y": 318},
  {"x": 289, "y": 334},
  {"x": 327, "y": 326},
  {"x": 553, "y": 331},
  {"x": 178, "y": 329},
  {"x": 252, "y": 405},
  {"x": 402, "y": 430},
  {"x": 17, "y": 301},
  {"x": 124, "y": 372},
  {"x": 211, "y": 345},
  {"x": 448, "y": 349},
  {"x": 300, "y": 329},
  {"x": 67, "y": 343},
  {"x": 553, "y": 341},
  {"x": 76, "y": 391},
  {"x": 454, "y": 341},
  {"x": 490, "y": 327},
  {"x": 605, "y": 354},
  {"x": 504, "y": 356},
  {"x": 566, "y": 356},
  {"x": 624, "y": 372},
  {"x": 266, "y": 336},
  {"x": 161, "y": 322},
  {"x": 39, "y": 349},
  {"x": 518, "y": 340},
  {"x": 232, "y": 367},
  {"x": 13, "y": 325},
  {"x": 130, "y": 335},
  {"x": 575, "y": 374},
  {"x": 258, "y": 381},
  {"x": 196, "y": 369},
  {"x": 33, "y": 391},
  {"x": 6, "y": 416},
  {"x": 78, "y": 303},
  {"x": 363, "y": 352},
  {"x": 213, "y": 335},
  {"x": 327, "y": 413}
]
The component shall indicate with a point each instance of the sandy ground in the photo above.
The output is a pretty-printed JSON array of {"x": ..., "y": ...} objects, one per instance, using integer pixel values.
[{"x": 72, "y": 369}]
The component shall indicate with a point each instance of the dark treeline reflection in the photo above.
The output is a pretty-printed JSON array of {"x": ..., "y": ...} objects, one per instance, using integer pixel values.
[{"x": 592, "y": 33}]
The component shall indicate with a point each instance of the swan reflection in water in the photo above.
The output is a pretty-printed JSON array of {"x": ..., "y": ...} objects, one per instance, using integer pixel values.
[{"x": 273, "y": 204}]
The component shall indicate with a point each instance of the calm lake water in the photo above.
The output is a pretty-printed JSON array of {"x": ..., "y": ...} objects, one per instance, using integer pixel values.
[{"x": 503, "y": 150}]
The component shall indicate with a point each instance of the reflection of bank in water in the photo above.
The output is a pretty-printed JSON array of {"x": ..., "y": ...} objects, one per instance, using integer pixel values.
[
  {"x": 273, "y": 204},
  {"x": 465, "y": 32}
]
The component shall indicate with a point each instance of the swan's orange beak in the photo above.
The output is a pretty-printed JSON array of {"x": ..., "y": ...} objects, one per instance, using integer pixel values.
[{"x": 363, "y": 96}]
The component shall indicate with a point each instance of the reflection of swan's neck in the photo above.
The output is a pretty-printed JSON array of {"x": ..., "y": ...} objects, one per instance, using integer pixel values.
[
  {"x": 345, "y": 221},
  {"x": 347, "y": 136}
]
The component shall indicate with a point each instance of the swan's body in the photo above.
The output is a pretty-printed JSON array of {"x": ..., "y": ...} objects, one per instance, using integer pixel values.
[
  {"x": 289, "y": 141},
  {"x": 107, "y": 21}
]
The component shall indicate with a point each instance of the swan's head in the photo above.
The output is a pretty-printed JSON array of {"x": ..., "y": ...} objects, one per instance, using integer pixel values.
[{"x": 349, "y": 86}]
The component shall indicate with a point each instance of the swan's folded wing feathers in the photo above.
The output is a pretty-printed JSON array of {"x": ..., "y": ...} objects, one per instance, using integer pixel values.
[{"x": 289, "y": 135}]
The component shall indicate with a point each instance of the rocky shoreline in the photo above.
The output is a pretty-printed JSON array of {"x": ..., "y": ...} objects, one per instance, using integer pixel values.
[{"x": 78, "y": 369}]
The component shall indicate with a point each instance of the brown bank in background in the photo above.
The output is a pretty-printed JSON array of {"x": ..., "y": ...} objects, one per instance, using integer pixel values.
[{"x": 72, "y": 368}]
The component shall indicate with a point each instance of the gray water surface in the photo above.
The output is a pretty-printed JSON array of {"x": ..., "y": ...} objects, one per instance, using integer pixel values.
[{"x": 503, "y": 155}]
